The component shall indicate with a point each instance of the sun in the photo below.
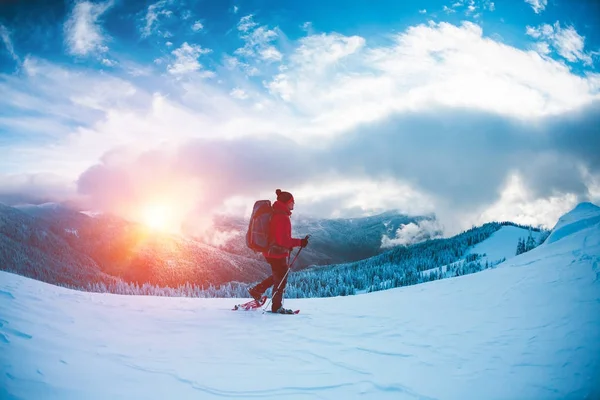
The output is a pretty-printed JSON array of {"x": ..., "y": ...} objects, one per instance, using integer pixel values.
[{"x": 157, "y": 217}]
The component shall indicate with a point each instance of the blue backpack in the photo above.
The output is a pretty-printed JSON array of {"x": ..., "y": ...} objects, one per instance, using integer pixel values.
[{"x": 257, "y": 237}]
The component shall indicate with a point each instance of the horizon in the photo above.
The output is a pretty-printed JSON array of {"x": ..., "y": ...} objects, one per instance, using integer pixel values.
[{"x": 168, "y": 112}]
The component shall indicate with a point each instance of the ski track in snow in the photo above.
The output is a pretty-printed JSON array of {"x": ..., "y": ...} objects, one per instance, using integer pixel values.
[{"x": 528, "y": 329}]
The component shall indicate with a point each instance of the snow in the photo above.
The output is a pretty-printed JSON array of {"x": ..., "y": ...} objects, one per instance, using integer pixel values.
[
  {"x": 48, "y": 205},
  {"x": 528, "y": 329},
  {"x": 583, "y": 216},
  {"x": 502, "y": 243}
]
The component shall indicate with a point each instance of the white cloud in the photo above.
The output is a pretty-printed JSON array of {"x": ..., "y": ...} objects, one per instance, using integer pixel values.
[
  {"x": 246, "y": 23},
  {"x": 235, "y": 9},
  {"x": 83, "y": 33},
  {"x": 68, "y": 103},
  {"x": 154, "y": 12},
  {"x": 197, "y": 26},
  {"x": 537, "y": 5},
  {"x": 109, "y": 62},
  {"x": 517, "y": 204},
  {"x": 471, "y": 7},
  {"x": 313, "y": 57},
  {"x": 134, "y": 69},
  {"x": 423, "y": 11},
  {"x": 448, "y": 10},
  {"x": 169, "y": 44},
  {"x": 186, "y": 60},
  {"x": 333, "y": 196},
  {"x": 412, "y": 233},
  {"x": 238, "y": 93},
  {"x": 338, "y": 82},
  {"x": 566, "y": 41},
  {"x": 542, "y": 48},
  {"x": 5, "y": 36},
  {"x": 258, "y": 41}
]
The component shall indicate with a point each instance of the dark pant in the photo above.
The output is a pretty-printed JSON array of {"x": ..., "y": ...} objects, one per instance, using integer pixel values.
[{"x": 279, "y": 267}]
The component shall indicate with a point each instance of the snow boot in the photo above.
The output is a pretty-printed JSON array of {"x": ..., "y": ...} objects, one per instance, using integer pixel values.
[
  {"x": 255, "y": 295},
  {"x": 282, "y": 310}
]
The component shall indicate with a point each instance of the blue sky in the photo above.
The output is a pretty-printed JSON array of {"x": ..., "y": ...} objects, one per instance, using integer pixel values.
[{"x": 472, "y": 109}]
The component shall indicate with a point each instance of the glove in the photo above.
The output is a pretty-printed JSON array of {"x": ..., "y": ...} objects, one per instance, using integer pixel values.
[{"x": 304, "y": 242}]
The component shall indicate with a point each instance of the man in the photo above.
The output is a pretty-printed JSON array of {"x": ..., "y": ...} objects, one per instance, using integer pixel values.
[{"x": 280, "y": 234}]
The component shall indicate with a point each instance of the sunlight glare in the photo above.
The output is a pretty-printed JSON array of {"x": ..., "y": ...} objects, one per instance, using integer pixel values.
[{"x": 158, "y": 217}]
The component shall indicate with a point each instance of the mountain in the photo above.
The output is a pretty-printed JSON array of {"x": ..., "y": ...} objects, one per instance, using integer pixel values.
[
  {"x": 29, "y": 247},
  {"x": 471, "y": 251},
  {"x": 332, "y": 241},
  {"x": 128, "y": 251},
  {"x": 527, "y": 329}
]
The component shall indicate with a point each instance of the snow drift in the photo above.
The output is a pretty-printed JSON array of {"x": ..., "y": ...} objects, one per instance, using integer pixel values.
[{"x": 527, "y": 329}]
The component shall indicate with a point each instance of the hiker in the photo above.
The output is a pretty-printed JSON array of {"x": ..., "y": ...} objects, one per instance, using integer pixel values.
[{"x": 280, "y": 233}]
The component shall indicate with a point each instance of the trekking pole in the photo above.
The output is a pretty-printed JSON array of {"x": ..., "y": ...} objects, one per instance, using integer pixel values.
[{"x": 282, "y": 280}]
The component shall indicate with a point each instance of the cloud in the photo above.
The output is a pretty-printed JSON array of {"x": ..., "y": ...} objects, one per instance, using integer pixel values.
[
  {"x": 36, "y": 188},
  {"x": 338, "y": 82},
  {"x": 377, "y": 167},
  {"x": 153, "y": 14},
  {"x": 238, "y": 93},
  {"x": 199, "y": 177},
  {"x": 108, "y": 62},
  {"x": 517, "y": 204},
  {"x": 423, "y": 11},
  {"x": 197, "y": 26},
  {"x": 436, "y": 119},
  {"x": 537, "y": 5},
  {"x": 83, "y": 33},
  {"x": 186, "y": 60},
  {"x": 412, "y": 233},
  {"x": 5, "y": 36},
  {"x": 310, "y": 62},
  {"x": 471, "y": 7},
  {"x": 258, "y": 41},
  {"x": 50, "y": 109},
  {"x": 543, "y": 48},
  {"x": 566, "y": 41}
]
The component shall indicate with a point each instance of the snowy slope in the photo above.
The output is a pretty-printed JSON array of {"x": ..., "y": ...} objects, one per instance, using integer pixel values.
[
  {"x": 502, "y": 243},
  {"x": 529, "y": 329}
]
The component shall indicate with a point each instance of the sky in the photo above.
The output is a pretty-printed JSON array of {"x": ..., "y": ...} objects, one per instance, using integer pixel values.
[{"x": 470, "y": 109}]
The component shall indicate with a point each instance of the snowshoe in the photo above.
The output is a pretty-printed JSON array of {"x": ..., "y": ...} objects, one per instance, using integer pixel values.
[{"x": 251, "y": 305}]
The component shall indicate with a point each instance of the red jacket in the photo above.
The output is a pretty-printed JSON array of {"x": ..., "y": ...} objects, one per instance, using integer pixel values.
[{"x": 280, "y": 232}]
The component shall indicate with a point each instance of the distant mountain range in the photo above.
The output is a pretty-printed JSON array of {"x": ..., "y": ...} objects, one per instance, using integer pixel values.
[
  {"x": 332, "y": 241},
  {"x": 59, "y": 245}
]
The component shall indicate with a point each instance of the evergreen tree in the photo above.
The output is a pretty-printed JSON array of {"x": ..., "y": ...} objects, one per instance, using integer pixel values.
[
  {"x": 530, "y": 245},
  {"x": 520, "y": 247}
]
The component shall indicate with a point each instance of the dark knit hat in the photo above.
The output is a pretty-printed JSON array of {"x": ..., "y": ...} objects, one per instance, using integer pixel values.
[{"x": 284, "y": 196}]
